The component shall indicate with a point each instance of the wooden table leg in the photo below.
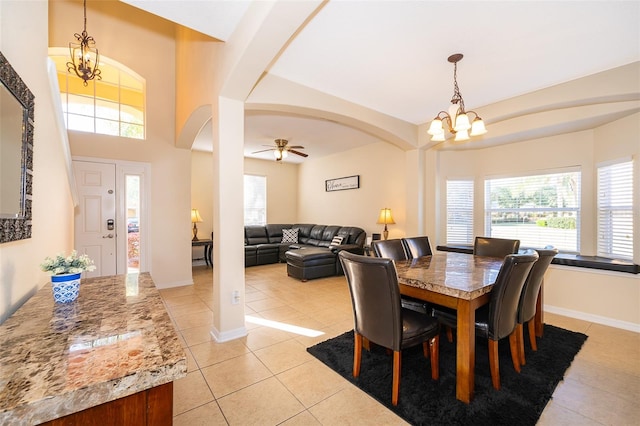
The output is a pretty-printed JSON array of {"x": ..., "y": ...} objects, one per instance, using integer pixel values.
[
  {"x": 539, "y": 318},
  {"x": 466, "y": 351}
]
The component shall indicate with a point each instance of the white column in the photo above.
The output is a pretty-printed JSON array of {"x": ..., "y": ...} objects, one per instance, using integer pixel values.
[{"x": 228, "y": 221}]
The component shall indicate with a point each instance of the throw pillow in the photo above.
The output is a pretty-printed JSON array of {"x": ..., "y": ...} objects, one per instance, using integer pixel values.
[
  {"x": 337, "y": 240},
  {"x": 290, "y": 235}
]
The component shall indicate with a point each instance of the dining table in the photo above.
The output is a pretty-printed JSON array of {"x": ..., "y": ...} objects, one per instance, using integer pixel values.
[{"x": 462, "y": 282}]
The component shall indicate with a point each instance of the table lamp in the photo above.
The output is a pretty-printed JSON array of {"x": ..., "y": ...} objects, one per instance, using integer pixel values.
[
  {"x": 385, "y": 218},
  {"x": 195, "y": 218}
]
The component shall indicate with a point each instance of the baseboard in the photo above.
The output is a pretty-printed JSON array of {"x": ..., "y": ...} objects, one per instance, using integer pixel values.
[
  {"x": 625, "y": 325},
  {"x": 226, "y": 336},
  {"x": 172, "y": 284}
]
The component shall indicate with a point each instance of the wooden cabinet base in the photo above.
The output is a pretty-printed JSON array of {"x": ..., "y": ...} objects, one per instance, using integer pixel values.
[{"x": 151, "y": 407}]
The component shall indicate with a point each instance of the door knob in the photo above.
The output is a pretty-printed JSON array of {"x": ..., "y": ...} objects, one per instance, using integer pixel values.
[{"x": 108, "y": 236}]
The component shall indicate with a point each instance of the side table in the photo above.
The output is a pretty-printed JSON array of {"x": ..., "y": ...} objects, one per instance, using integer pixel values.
[{"x": 208, "y": 249}]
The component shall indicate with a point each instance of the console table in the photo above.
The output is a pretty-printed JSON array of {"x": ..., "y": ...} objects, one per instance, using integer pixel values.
[
  {"x": 110, "y": 356},
  {"x": 208, "y": 249}
]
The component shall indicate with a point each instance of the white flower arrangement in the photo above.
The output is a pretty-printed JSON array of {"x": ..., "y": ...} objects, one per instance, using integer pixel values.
[{"x": 72, "y": 264}]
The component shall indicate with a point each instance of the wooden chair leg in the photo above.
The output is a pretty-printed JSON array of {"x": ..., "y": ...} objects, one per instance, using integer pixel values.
[
  {"x": 366, "y": 343},
  {"x": 520, "y": 341},
  {"x": 494, "y": 364},
  {"x": 449, "y": 334},
  {"x": 425, "y": 349},
  {"x": 532, "y": 334},
  {"x": 357, "y": 354},
  {"x": 435, "y": 357},
  {"x": 515, "y": 350},
  {"x": 397, "y": 367}
]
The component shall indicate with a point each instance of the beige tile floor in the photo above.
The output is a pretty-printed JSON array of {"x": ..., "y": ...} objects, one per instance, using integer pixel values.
[{"x": 268, "y": 378}]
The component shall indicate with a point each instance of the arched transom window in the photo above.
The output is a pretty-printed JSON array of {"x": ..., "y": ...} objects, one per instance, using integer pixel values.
[{"x": 113, "y": 106}]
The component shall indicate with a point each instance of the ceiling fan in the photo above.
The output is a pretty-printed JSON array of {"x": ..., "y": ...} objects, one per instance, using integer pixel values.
[{"x": 281, "y": 150}]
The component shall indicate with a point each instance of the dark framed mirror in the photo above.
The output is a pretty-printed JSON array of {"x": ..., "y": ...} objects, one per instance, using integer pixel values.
[{"x": 16, "y": 154}]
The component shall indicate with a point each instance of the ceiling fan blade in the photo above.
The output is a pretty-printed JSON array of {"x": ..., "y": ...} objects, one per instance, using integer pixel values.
[
  {"x": 302, "y": 154},
  {"x": 263, "y": 150},
  {"x": 296, "y": 147}
]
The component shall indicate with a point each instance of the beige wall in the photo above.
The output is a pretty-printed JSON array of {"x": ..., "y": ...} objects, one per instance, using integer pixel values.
[
  {"x": 382, "y": 171},
  {"x": 114, "y": 25},
  {"x": 282, "y": 188},
  {"x": 20, "y": 274}
]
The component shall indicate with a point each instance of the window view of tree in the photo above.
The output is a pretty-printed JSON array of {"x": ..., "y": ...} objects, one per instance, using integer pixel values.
[{"x": 538, "y": 210}]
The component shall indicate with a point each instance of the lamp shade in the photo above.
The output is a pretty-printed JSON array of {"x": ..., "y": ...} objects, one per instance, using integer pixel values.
[
  {"x": 385, "y": 217},
  {"x": 462, "y": 123},
  {"x": 462, "y": 135},
  {"x": 436, "y": 127},
  {"x": 195, "y": 216},
  {"x": 477, "y": 127}
]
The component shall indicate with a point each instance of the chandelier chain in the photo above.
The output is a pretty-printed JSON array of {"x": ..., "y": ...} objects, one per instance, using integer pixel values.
[{"x": 457, "y": 96}]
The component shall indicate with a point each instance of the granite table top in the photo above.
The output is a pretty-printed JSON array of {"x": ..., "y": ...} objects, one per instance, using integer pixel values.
[
  {"x": 115, "y": 340},
  {"x": 459, "y": 275}
]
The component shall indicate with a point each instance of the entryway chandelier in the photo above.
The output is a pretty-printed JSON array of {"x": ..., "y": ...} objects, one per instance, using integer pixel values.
[
  {"x": 84, "y": 54},
  {"x": 456, "y": 118}
]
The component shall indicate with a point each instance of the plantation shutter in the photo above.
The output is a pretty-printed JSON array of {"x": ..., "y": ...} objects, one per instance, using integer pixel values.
[
  {"x": 615, "y": 210},
  {"x": 459, "y": 211}
]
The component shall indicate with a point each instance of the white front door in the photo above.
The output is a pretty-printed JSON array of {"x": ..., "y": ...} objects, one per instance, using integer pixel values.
[{"x": 95, "y": 217}]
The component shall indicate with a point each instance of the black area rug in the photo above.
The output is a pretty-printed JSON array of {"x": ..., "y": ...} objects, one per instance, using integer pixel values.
[{"x": 426, "y": 402}]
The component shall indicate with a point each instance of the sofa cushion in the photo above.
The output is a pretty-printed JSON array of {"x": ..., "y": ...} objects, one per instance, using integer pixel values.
[
  {"x": 255, "y": 234},
  {"x": 304, "y": 231},
  {"x": 315, "y": 237},
  {"x": 290, "y": 235},
  {"x": 274, "y": 231}
]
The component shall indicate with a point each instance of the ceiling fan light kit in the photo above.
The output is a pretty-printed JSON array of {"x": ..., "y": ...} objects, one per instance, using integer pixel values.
[
  {"x": 456, "y": 118},
  {"x": 281, "y": 150}
]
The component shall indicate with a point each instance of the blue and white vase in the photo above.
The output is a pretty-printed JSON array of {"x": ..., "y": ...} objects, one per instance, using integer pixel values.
[{"x": 65, "y": 287}]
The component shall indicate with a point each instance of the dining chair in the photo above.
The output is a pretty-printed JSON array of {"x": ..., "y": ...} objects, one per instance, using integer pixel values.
[
  {"x": 395, "y": 250},
  {"x": 390, "y": 249},
  {"x": 529, "y": 298},
  {"x": 498, "y": 319},
  {"x": 495, "y": 247},
  {"x": 417, "y": 246},
  {"x": 380, "y": 318},
  {"x": 490, "y": 247}
]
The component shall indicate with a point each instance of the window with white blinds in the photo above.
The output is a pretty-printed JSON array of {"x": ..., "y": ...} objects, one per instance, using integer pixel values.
[
  {"x": 255, "y": 200},
  {"x": 538, "y": 210},
  {"x": 459, "y": 211},
  {"x": 615, "y": 210}
]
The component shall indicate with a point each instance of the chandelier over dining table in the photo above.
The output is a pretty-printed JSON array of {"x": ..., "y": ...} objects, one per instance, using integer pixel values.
[{"x": 456, "y": 118}]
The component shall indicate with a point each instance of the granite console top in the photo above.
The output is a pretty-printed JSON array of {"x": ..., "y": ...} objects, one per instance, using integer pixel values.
[{"x": 115, "y": 340}]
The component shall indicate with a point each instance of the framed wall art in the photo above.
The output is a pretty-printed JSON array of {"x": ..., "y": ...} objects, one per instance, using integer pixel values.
[{"x": 340, "y": 184}]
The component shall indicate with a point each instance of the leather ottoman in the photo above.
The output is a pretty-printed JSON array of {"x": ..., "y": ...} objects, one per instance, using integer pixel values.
[{"x": 309, "y": 263}]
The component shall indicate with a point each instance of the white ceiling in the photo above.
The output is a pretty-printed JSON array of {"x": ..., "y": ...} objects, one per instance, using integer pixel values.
[{"x": 391, "y": 56}]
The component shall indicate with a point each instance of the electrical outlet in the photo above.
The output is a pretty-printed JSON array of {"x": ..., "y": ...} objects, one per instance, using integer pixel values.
[{"x": 235, "y": 297}]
